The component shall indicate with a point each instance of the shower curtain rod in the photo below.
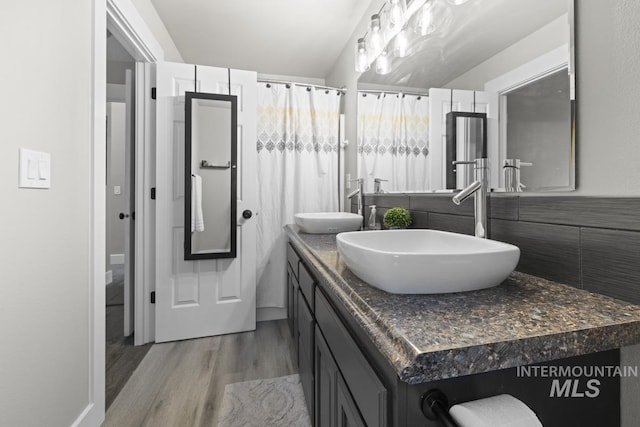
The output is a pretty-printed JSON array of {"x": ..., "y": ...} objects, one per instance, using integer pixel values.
[
  {"x": 391, "y": 92},
  {"x": 342, "y": 90}
]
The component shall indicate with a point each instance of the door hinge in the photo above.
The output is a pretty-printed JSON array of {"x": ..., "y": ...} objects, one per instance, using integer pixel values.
[
  {"x": 153, "y": 193},
  {"x": 153, "y": 297},
  {"x": 153, "y": 93}
]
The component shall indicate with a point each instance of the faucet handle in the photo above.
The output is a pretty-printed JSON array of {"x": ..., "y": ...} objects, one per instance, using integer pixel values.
[
  {"x": 515, "y": 163},
  {"x": 380, "y": 180},
  {"x": 464, "y": 162}
]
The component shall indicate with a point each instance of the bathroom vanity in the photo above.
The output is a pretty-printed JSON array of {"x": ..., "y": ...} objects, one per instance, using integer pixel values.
[{"x": 366, "y": 356}]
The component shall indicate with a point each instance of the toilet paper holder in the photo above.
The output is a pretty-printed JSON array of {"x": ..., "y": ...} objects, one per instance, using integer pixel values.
[{"x": 435, "y": 406}]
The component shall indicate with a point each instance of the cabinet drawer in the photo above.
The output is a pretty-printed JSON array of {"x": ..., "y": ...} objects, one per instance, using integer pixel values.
[
  {"x": 292, "y": 259},
  {"x": 305, "y": 326},
  {"x": 368, "y": 392},
  {"x": 306, "y": 284}
]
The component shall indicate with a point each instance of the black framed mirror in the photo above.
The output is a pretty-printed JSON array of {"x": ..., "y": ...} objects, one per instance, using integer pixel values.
[
  {"x": 210, "y": 176},
  {"x": 466, "y": 141}
]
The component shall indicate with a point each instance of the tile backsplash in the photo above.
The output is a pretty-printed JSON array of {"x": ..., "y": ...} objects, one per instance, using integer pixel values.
[{"x": 587, "y": 242}]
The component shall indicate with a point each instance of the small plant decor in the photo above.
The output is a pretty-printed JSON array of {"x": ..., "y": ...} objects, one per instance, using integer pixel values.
[{"x": 397, "y": 218}]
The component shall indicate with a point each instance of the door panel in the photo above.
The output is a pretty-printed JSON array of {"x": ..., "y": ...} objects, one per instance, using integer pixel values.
[{"x": 203, "y": 297}]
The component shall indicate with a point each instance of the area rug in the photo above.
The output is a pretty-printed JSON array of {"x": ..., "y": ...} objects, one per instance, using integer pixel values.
[{"x": 271, "y": 402}]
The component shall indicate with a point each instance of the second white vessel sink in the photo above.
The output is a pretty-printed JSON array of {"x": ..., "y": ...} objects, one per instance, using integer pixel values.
[
  {"x": 327, "y": 222},
  {"x": 426, "y": 261}
]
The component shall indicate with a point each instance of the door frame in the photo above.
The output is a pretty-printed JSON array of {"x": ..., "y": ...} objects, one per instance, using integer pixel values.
[{"x": 126, "y": 24}]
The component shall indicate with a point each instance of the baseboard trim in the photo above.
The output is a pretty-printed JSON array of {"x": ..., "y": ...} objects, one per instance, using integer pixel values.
[
  {"x": 264, "y": 314},
  {"x": 91, "y": 416},
  {"x": 108, "y": 277},
  {"x": 116, "y": 259}
]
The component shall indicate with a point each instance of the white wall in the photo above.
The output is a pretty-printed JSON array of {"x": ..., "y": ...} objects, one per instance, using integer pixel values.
[
  {"x": 45, "y": 244},
  {"x": 343, "y": 74},
  {"x": 608, "y": 98}
]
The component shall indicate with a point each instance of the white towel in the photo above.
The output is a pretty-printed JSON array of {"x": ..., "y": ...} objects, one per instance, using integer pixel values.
[{"x": 197, "y": 219}]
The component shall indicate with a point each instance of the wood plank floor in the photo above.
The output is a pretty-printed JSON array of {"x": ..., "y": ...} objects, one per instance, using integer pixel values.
[
  {"x": 121, "y": 356},
  {"x": 182, "y": 383}
]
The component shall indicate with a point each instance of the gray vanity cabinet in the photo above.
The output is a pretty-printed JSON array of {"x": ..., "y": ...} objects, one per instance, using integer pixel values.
[{"x": 341, "y": 387}]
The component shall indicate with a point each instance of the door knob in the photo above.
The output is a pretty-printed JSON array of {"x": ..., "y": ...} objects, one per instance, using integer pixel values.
[
  {"x": 123, "y": 215},
  {"x": 246, "y": 214}
]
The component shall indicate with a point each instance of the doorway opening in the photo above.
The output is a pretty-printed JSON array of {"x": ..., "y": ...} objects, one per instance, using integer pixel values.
[{"x": 121, "y": 355}]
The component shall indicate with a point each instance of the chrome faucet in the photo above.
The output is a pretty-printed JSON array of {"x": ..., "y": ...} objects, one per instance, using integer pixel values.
[
  {"x": 479, "y": 190},
  {"x": 360, "y": 193},
  {"x": 377, "y": 185},
  {"x": 512, "y": 174}
]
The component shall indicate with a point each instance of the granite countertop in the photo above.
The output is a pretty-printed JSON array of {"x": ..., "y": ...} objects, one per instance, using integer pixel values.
[{"x": 524, "y": 320}]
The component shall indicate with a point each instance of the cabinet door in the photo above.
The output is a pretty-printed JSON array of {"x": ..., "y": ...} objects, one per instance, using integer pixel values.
[
  {"x": 305, "y": 351},
  {"x": 326, "y": 373},
  {"x": 290, "y": 297},
  {"x": 292, "y": 308},
  {"x": 347, "y": 411}
]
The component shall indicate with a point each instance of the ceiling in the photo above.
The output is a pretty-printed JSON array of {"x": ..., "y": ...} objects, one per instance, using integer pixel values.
[{"x": 286, "y": 37}]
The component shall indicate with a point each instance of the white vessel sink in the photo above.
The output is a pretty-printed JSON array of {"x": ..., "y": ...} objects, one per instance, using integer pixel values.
[
  {"x": 327, "y": 222},
  {"x": 426, "y": 261}
]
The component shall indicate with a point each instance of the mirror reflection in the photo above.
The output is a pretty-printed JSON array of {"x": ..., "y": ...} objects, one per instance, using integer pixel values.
[
  {"x": 466, "y": 141},
  {"x": 509, "y": 59},
  {"x": 210, "y": 175}
]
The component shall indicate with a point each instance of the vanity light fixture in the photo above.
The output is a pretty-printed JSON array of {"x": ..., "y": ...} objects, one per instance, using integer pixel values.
[{"x": 390, "y": 34}]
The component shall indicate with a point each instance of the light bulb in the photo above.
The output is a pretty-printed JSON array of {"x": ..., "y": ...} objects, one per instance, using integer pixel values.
[
  {"x": 425, "y": 23},
  {"x": 376, "y": 39},
  {"x": 383, "y": 63},
  {"x": 401, "y": 44},
  {"x": 362, "y": 57},
  {"x": 397, "y": 10}
]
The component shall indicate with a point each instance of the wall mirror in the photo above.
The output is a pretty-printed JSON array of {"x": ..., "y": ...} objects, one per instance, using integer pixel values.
[
  {"x": 210, "y": 175},
  {"x": 509, "y": 59}
]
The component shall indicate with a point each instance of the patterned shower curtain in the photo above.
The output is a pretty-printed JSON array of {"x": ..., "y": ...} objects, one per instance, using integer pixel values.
[
  {"x": 393, "y": 141},
  {"x": 297, "y": 172}
]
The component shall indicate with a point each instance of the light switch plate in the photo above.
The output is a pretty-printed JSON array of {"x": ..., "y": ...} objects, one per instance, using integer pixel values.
[
  {"x": 117, "y": 190},
  {"x": 34, "y": 169}
]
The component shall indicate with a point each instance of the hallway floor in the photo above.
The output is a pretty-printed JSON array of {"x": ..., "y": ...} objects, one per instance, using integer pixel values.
[
  {"x": 121, "y": 356},
  {"x": 182, "y": 383}
]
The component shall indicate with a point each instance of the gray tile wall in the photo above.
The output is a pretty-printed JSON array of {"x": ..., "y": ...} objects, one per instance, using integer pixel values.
[{"x": 586, "y": 242}]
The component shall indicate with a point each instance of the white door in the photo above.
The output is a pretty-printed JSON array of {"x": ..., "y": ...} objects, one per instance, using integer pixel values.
[
  {"x": 443, "y": 101},
  {"x": 129, "y": 207},
  {"x": 204, "y": 297}
]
